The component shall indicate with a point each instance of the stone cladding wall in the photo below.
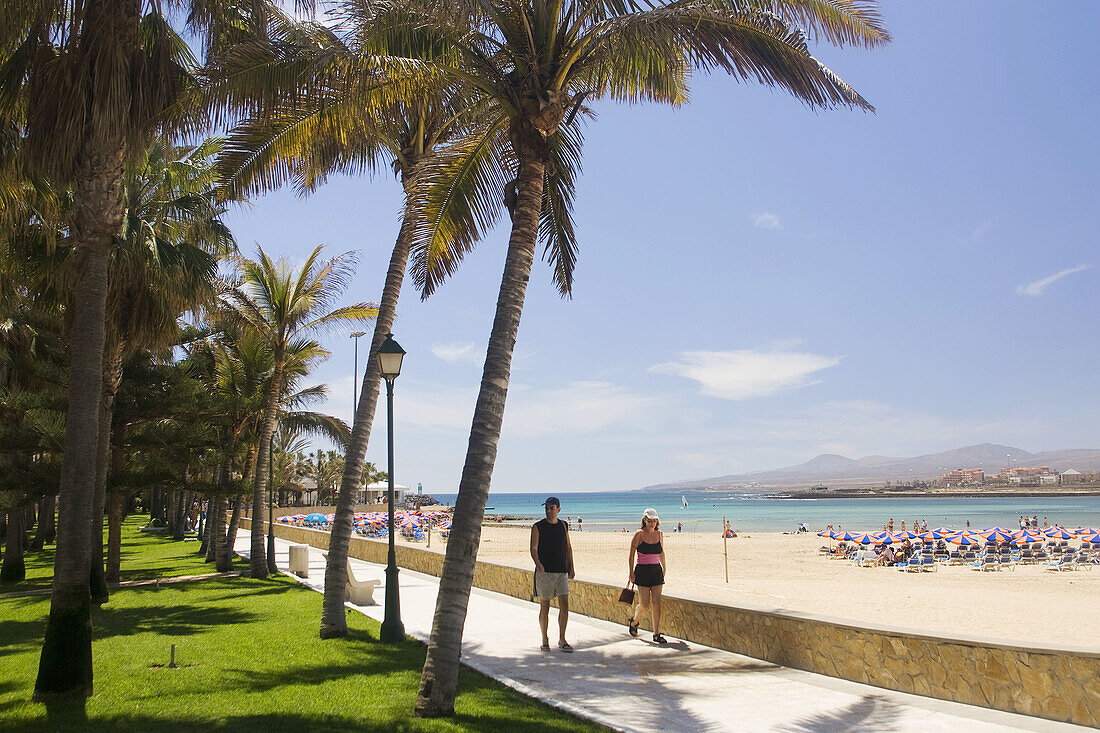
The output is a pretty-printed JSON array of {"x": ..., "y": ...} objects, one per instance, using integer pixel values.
[{"x": 1046, "y": 682}]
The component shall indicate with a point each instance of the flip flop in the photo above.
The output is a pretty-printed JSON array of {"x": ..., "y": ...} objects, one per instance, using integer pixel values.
[
  {"x": 564, "y": 646},
  {"x": 660, "y": 639},
  {"x": 545, "y": 647},
  {"x": 632, "y": 627}
]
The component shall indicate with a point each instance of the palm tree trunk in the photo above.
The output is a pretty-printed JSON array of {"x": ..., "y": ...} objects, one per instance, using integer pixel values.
[
  {"x": 115, "y": 514},
  {"x": 112, "y": 376},
  {"x": 14, "y": 570},
  {"x": 258, "y": 561},
  {"x": 333, "y": 623},
  {"x": 439, "y": 679},
  {"x": 223, "y": 561},
  {"x": 234, "y": 524},
  {"x": 46, "y": 532},
  {"x": 179, "y": 522},
  {"x": 65, "y": 667}
]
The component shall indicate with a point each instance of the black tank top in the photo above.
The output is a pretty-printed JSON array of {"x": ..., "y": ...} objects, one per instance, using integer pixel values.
[
  {"x": 552, "y": 552},
  {"x": 650, "y": 548}
]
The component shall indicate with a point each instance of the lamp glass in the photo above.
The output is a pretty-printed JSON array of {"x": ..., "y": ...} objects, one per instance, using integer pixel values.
[{"x": 390, "y": 355}]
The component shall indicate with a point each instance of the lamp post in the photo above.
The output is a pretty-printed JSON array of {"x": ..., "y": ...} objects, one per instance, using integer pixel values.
[
  {"x": 355, "y": 385},
  {"x": 271, "y": 566},
  {"x": 355, "y": 376},
  {"x": 389, "y": 363}
]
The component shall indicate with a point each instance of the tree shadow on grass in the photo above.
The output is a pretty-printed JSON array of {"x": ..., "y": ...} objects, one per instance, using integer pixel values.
[
  {"x": 182, "y": 619},
  {"x": 298, "y": 723}
]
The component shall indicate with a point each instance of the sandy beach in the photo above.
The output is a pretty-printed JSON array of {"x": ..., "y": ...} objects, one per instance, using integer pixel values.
[{"x": 1028, "y": 605}]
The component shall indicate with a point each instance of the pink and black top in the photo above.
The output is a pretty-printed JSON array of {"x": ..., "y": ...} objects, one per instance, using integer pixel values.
[{"x": 649, "y": 553}]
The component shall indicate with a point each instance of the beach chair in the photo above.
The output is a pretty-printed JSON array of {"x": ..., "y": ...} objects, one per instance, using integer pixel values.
[
  {"x": 987, "y": 562},
  {"x": 1027, "y": 557},
  {"x": 1059, "y": 564},
  {"x": 955, "y": 557},
  {"x": 923, "y": 564},
  {"x": 1006, "y": 562}
]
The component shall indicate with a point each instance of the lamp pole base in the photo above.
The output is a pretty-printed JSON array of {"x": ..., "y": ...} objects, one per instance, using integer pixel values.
[{"x": 392, "y": 629}]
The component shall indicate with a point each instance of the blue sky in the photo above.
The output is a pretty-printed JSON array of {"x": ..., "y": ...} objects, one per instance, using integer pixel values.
[{"x": 759, "y": 283}]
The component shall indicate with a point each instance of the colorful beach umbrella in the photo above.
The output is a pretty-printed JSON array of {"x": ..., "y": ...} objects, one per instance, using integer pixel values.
[
  {"x": 965, "y": 540},
  {"x": 1057, "y": 533},
  {"x": 998, "y": 535},
  {"x": 316, "y": 518}
]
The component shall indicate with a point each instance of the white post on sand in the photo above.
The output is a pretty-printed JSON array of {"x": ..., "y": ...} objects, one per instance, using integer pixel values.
[{"x": 725, "y": 552}]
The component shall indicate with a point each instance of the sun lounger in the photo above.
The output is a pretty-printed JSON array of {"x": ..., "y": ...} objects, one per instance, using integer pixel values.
[
  {"x": 1062, "y": 563},
  {"x": 988, "y": 562}
]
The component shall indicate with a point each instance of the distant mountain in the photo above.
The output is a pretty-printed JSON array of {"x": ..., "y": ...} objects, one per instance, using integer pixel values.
[{"x": 831, "y": 467}]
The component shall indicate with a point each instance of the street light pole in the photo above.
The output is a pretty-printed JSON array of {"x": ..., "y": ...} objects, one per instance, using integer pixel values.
[
  {"x": 355, "y": 376},
  {"x": 271, "y": 566},
  {"x": 389, "y": 358}
]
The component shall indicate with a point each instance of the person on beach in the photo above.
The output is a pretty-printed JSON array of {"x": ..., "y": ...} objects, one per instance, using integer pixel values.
[
  {"x": 579, "y": 523},
  {"x": 553, "y": 556},
  {"x": 890, "y": 524},
  {"x": 649, "y": 572}
]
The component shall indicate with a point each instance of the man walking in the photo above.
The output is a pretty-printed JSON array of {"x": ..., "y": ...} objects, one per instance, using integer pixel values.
[{"x": 553, "y": 556}]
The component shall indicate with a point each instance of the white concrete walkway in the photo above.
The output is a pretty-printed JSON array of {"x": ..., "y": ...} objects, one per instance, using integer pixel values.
[{"x": 635, "y": 685}]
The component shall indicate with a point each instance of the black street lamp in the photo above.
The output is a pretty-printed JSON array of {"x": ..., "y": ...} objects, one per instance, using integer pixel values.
[
  {"x": 389, "y": 362},
  {"x": 271, "y": 566},
  {"x": 355, "y": 387},
  {"x": 355, "y": 375}
]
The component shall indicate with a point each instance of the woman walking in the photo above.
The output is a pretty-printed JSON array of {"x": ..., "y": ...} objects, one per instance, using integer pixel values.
[{"x": 649, "y": 572}]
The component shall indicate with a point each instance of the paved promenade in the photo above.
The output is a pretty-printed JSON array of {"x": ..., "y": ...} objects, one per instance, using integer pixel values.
[{"x": 635, "y": 685}]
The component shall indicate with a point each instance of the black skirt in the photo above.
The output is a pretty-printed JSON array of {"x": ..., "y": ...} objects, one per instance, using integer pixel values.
[{"x": 647, "y": 576}]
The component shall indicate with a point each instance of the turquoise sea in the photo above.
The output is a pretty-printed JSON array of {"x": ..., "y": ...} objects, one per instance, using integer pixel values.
[{"x": 612, "y": 510}]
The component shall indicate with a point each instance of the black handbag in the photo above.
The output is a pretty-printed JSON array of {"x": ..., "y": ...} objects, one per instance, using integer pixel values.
[{"x": 627, "y": 595}]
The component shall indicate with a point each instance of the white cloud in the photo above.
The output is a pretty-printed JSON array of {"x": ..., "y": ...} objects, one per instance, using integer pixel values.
[
  {"x": 466, "y": 353},
  {"x": 742, "y": 375},
  {"x": 1036, "y": 288},
  {"x": 766, "y": 220},
  {"x": 977, "y": 234}
]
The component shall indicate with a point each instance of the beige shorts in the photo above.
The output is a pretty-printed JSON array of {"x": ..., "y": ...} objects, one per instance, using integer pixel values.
[{"x": 551, "y": 585}]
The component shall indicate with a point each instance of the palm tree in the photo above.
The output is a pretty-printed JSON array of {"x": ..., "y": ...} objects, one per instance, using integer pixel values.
[
  {"x": 163, "y": 266},
  {"x": 536, "y": 63},
  {"x": 338, "y": 127},
  {"x": 284, "y": 306},
  {"x": 91, "y": 81}
]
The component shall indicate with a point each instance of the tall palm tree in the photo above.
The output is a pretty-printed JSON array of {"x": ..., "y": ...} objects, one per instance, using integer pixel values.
[
  {"x": 91, "y": 81},
  {"x": 163, "y": 266},
  {"x": 285, "y": 306},
  {"x": 536, "y": 63},
  {"x": 347, "y": 123}
]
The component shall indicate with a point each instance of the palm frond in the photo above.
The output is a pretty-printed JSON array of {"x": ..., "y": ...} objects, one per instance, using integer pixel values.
[{"x": 454, "y": 197}]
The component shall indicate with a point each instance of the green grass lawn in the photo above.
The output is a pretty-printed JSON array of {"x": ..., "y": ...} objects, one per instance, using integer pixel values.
[
  {"x": 144, "y": 556},
  {"x": 250, "y": 659}
]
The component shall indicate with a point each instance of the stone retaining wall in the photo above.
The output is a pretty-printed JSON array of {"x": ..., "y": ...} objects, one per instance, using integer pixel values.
[{"x": 1050, "y": 683}]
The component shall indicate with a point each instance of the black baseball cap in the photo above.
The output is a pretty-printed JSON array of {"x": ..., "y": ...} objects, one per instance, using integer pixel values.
[{"x": 552, "y": 501}]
